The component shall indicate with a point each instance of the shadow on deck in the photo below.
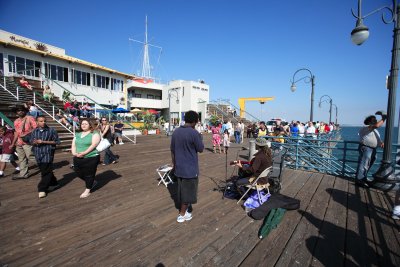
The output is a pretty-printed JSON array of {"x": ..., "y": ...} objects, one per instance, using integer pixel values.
[{"x": 130, "y": 221}]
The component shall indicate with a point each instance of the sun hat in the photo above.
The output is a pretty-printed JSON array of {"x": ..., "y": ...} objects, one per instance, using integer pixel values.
[{"x": 262, "y": 142}]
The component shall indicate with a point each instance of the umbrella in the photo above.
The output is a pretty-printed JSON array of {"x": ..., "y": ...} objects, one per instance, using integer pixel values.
[
  {"x": 119, "y": 110},
  {"x": 152, "y": 111},
  {"x": 136, "y": 110}
]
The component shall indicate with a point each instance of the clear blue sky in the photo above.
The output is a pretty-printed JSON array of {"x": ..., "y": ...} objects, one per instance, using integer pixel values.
[{"x": 240, "y": 48}]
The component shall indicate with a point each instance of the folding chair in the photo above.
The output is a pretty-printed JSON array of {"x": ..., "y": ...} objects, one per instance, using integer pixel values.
[
  {"x": 256, "y": 186},
  {"x": 164, "y": 172}
]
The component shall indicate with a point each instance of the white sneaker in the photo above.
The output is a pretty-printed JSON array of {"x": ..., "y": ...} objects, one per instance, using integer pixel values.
[
  {"x": 42, "y": 194},
  {"x": 186, "y": 217},
  {"x": 121, "y": 143}
]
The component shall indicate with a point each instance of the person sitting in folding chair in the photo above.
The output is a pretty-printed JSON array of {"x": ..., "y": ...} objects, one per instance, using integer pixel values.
[{"x": 261, "y": 161}]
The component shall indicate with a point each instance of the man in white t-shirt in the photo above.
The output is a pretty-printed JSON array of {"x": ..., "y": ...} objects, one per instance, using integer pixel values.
[{"x": 310, "y": 130}]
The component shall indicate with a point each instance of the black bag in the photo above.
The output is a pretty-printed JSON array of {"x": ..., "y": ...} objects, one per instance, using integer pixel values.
[
  {"x": 231, "y": 191},
  {"x": 26, "y": 138}
]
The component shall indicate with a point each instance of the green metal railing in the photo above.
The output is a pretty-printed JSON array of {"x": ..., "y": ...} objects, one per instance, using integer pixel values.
[
  {"x": 326, "y": 154},
  {"x": 6, "y": 120}
]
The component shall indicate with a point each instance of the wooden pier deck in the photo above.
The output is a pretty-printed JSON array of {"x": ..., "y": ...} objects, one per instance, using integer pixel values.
[{"x": 130, "y": 221}]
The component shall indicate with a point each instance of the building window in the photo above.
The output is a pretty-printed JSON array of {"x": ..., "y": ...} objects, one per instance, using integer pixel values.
[
  {"x": 138, "y": 96},
  {"x": 158, "y": 97},
  {"x": 11, "y": 64},
  {"x": 1, "y": 64},
  {"x": 150, "y": 96},
  {"x": 57, "y": 73},
  {"x": 23, "y": 66}
]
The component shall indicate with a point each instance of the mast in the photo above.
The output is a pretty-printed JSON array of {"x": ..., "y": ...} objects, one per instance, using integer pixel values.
[
  {"x": 146, "y": 71},
  {"x": 146, "y": 68}
]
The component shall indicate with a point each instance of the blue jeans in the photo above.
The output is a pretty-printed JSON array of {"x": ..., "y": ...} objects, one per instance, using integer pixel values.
[
  {"x": 109, "y": 157},
  {"x": 237, "y": 137},
  {"x": 366, "y": 158}
]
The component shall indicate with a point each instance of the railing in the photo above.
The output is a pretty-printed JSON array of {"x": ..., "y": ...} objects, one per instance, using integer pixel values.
[
  {"x": 215, "y": 104},
  {"x": 326, "y": 154},
  {"x": 76, "y": 96},
  {"x": 6, "y": 120}
]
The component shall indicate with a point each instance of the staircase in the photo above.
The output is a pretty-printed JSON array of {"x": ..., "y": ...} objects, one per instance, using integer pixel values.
[
  {"x": 9, "y": 98},
  {"x": 220, "y": 110}
]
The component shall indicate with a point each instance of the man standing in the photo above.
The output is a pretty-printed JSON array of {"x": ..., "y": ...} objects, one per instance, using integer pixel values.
[
  {"x": 24, "y": 125},
  {"x": 186, "y": 142},
  {"x": 44, "y": 140},
  {"x": 369, "y": 141},
  {"x": 118, "y": 127}
]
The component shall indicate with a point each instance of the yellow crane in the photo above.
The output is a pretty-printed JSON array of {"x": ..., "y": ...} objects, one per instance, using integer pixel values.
[{"x": 242, "y": 102}]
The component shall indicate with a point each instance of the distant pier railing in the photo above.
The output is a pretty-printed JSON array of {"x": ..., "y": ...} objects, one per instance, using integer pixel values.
[{"x": 325, "y": 153}]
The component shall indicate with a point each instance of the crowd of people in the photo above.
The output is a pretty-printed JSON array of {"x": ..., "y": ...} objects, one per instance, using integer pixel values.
[{"x": 33, "y": 142}]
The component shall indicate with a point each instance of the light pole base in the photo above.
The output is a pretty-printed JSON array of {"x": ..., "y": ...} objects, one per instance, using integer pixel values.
[{"x": 385, "y": 174}]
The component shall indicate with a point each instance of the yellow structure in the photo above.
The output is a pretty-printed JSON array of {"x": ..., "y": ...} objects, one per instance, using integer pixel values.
[{"x": 242, "y": 102}]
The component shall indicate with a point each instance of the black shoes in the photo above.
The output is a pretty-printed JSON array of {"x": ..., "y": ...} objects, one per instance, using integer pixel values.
[{"x": 363, "y": 183}]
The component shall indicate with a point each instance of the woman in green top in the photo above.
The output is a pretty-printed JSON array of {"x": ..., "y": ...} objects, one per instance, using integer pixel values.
[{"x": 86, "y": 157}]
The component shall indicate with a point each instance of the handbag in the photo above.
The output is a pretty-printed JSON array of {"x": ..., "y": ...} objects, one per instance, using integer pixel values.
[
  {"x": 103, "y": 145},
  {"x": 27, "y": 137}
]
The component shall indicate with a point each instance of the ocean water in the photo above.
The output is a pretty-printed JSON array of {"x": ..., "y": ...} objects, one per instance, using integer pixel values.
[{"x": 350, "y": 133}]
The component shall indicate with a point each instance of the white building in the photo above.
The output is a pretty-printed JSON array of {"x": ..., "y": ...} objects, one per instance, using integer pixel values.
[{"x": 90, "y": 82}]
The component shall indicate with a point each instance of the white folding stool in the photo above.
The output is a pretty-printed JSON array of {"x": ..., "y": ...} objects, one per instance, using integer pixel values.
[{"x": 164, "y": 172}]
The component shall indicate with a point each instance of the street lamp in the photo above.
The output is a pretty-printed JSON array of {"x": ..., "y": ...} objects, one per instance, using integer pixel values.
[
  {"x": 330, "y": 105},
  {"x": 360, "y": 33},
  {"x": 306, "y": 79},
  {"x": 169, "y": 106},
  {"x": 336, "y": 113}
]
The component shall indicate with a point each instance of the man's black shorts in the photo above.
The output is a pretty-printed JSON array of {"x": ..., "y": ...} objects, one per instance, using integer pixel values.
[{"x": 187, "y": 190}]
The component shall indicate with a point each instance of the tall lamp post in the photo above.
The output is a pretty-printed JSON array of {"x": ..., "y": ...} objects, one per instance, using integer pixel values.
[
  {"x": 359, "y": 34},
  {"x": 335, "y": 113},
  {"x": 306, "y": 79},
  {"x": 170, "y": 91},
  {"x": 330, "y": 105}
]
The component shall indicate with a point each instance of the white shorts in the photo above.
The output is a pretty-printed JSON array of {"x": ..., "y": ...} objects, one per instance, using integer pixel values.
[{"x": 5, "y": 157}]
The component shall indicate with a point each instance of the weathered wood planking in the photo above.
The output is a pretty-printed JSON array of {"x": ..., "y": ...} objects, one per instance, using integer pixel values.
[{"x": 130, "y": 221}]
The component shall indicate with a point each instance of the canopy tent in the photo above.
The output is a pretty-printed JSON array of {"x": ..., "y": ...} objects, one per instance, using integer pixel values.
[
  {"x": 152, "y": 111},
  {"x": 136, "y": 110},
  {"x": 120, "y": 110}
]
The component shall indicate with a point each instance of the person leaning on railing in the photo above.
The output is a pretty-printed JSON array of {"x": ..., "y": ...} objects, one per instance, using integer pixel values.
[{"x": 369, "y": 141}]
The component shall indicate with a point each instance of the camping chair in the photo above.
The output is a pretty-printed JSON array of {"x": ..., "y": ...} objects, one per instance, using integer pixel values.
[
  {"x": 255, "y": 186},
  {"x": 164, "y": 173}
]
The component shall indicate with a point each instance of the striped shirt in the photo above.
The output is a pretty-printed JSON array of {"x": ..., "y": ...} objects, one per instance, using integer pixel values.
[{"x": 44, "y": 153}]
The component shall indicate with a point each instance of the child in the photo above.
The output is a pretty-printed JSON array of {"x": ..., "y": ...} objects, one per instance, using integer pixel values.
[
  {"x": 6, "y": 154},
  {"x": 226, "y": 141},
  {"x": 216, "y": 139}
]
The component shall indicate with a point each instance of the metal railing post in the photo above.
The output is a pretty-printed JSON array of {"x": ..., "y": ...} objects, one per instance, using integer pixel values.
[
  {"x": 34, "y": 98},
  {"x": 18, "y": 93},
  {"x": 297, "y": 156},
  {"x": 344, "y": 158},
  {"x": 53, "y": 111}
]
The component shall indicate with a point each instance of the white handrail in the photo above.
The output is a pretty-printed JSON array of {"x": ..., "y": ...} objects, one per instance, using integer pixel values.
[
  {"x": 16, "y": 96},
  {"x": 72, "y": 132},
  {"x": 134, "y": 138}
]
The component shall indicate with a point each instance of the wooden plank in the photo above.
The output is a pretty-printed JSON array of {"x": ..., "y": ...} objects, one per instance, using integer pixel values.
[
  {"x": 360, "y": 246},
  {"x": 267, "y": 251},
  {"x": 300, "y": 247},
  {"x": 387, "y": 244},
  {"x": 330, "y": 244}
]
